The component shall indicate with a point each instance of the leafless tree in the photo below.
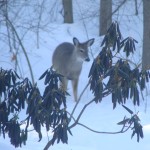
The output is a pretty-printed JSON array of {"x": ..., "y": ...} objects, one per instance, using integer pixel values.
[
  {"x": 105, "y": 17},
  {"x": 68, "y": 12},
  {"x": 146, "y": 35}
]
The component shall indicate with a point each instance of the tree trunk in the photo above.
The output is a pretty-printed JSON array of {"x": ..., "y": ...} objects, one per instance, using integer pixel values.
[
  {"x": 146, "y": 35},
  {"x": 68, "y": 13},
  {"x": 105, "y": 18}
]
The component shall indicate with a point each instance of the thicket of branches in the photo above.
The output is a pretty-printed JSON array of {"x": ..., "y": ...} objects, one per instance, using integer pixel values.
[{"x": 19, "y": 19}]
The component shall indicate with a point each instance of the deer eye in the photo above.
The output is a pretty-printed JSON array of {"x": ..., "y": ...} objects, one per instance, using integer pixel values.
[{"x": 81, "y": 50}]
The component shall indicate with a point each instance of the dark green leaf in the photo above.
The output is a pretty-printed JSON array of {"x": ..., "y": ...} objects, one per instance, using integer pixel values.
[
  {"x": 133, "y": 134},
  {"x": 123, "y": 122},
  {"x": 129, "y": 110},
  {"x": 43, "y": 75}
]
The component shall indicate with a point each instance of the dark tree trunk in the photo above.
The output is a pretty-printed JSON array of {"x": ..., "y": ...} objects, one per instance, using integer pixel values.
[
  {"x": 105, "y": 18},
  {"x": 68, "y": 13},
  {"x": 146, "y": 35}
]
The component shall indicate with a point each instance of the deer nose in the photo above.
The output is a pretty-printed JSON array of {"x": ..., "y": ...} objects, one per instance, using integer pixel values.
[{"x": 87, "y": 59}]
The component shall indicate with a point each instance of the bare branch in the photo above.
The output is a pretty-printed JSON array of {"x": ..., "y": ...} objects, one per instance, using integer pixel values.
[
  {"x": 79, "y": 116},
  {"x": 123, "y": 130},
  {"x": 119, "y": 6},
  {"x": 136, "y": 8},
  {"x": 39, "y": 21},
  {"x": 79, "y": 99},
  {"x": 25, "y": 53}
]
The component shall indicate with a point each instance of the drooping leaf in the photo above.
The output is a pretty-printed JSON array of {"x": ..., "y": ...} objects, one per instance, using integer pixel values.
[
  {"x": 123, "y": 121},
  {"x": 129, "y": 110}
]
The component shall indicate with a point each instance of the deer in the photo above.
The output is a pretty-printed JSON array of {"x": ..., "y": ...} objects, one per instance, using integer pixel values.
[{"x": 67, "y": 60}]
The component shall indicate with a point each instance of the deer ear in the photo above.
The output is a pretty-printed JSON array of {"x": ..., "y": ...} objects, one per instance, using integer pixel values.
[
  {"x": 90, "y": 42},
  {"x": 75, "y": 41}
]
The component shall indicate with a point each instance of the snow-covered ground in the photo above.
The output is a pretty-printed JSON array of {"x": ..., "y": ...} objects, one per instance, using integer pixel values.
[{"x": 100, "y": 116}]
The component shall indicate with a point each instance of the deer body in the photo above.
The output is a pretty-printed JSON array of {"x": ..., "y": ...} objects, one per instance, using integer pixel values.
[{"x": 68, "y": 59}]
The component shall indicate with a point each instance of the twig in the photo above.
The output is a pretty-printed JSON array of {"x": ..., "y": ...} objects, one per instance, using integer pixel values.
[
  {"x": 79, "y": 99},
  {"x": 130, "y": 61},
  {"x": 121, "y": 4},
  {"x": 102, "y": 132},
  {"x": 24, "y": 51},
  {"x": 84, "y": 24},
  {"x": 39, "y": 21},
  {"x": 8, "y": 32},
  {"x": 79, "y": 116},
  {"x": 136, "y": 8}
]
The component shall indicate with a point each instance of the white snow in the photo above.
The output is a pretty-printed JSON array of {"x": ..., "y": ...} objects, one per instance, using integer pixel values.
[{"x": 100, "y": 117}]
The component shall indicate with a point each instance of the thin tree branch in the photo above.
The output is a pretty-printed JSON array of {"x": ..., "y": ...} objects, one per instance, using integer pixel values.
[
  {"x": 39, "y": 21},
  {"x": 102, "y": 132},
  {"x": 79, "y": 99},
  {"x": 24, "y": 51},
  {"x": 121, "y": 4},
  {"x": 8, "y": 32},
  {"x": 79, "y": 116},
  {"x": 136, "y": 8}
]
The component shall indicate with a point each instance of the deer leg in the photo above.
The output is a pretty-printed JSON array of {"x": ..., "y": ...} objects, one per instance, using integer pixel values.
[
  {"x": 75, "y": 88},
  {"x": 64, "y": 83}
]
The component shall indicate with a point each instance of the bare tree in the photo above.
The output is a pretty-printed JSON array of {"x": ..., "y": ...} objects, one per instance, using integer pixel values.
[
  {"x": 146, "y": 35},
  {"x": 105, "y": 18},
  {"x": 68, "y": 13}
]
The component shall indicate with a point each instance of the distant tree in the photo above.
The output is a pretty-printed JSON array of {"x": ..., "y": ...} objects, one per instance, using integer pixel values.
[
  {"x": 146, "y": 35},
  {"x": 105, "y": 17},
  {"x": 68, "y": 12},
  {"x": 109, "y": 75}
]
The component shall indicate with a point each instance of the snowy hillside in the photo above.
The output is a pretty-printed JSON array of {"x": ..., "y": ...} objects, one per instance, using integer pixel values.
[{"x": 100, "y": 117}]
